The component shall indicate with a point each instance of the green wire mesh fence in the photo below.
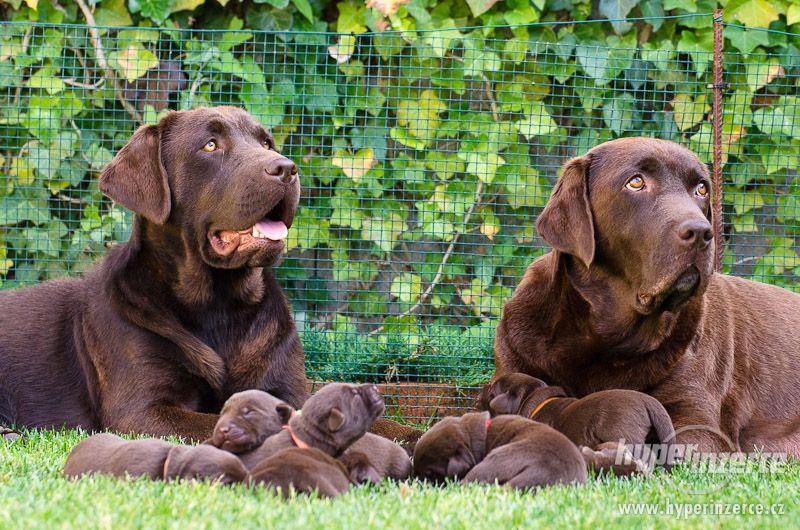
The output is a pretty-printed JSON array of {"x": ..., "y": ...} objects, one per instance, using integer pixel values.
[{"x": 424, "y": 157}]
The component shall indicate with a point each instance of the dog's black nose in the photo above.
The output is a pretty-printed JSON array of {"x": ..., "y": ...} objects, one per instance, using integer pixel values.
[
  {"x": 695, "y": 233},
  {"x": 283, "y": 168}
]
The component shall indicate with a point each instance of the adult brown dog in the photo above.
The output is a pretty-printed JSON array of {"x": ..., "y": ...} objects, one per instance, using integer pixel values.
[
  {"x": 628, "y": 298},
  {"x": 184, "y": 314}
]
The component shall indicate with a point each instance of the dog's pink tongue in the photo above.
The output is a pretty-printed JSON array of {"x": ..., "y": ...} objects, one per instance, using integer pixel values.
[{"x": 274, "y": 230}]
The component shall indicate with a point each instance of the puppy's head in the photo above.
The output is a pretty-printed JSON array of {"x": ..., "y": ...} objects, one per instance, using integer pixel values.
[
  {"x": 445, "y": 450},
  {"x": 639, "y": 211},
  {"x": 359, "y": 468},
  {"x": 247, "y": 419},
  {"x": 339, "y": 414},
  {"x": 213, "y": 177},
  {"x": 203, "y": 462},
  {"x": 506, "y": 394}
]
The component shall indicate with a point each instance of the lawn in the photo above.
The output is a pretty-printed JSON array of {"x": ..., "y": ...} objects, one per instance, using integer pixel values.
[{"x": 34, "y": 495}]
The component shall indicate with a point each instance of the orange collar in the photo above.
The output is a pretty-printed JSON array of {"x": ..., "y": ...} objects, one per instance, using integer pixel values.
[
  {"x": 297, "y": 441},
  {"x": 540, "y": 406}
]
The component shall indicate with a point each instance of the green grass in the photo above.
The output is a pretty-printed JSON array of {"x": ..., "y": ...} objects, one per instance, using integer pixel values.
[{"x": 34, "y": 495}]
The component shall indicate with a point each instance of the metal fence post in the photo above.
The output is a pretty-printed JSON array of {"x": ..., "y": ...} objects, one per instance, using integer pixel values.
[{"x": 718, "y": 87}]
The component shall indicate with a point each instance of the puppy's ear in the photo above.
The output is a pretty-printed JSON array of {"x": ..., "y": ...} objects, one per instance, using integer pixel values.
[
  {"x": 335, "y": 420},
  {"x": 483, "y": 399},
  {"x": 136, "y": 178},
  {"x": 566, "y": 222},
  {"x": 459, "y": 464},
  {"x": 359, "y": 467},
  {"x": 285, "y": 412}
]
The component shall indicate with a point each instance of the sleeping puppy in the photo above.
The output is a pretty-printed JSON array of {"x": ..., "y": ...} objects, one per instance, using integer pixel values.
[
  {"x": 331, "y": 421},
  {"x": 389, "y": 459},
  {"x": 247, "y": 419},
  {"x": 606, "y": 416},
  {"x": 307, "y": 470},
  {"x": 506, "y": 449},
  {"x": 203, "y": 462},
  {"x": 111, "y": 455}
]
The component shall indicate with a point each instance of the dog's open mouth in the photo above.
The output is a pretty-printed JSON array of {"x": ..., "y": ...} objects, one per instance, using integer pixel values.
[{"x": 272, "y": 229}]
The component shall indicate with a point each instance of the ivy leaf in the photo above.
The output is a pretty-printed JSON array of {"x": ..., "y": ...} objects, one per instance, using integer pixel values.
[
  {"x": 687, "y": 111},
  {"x": 775, "y": 122},
  {"x": 653, "y": 13},
  {"x": 421, "y": 115},
  {"x": 407, "y": 287},
  {"x": 686, "y": 5},
  {"x": 744, "y": 201},
  {"x": 760, "y": 73},
  {"x": 699, "y": 45},
  {"x": 112, "y": 13},
  {"x": 746, "y": 40},
  {"x": 133, "y": 61},
  {"x": 351, "y": 18},
  {"x": 343, "y": 49},
  {"x": 384, "y": 232},
  {"x": 479, "y": 7},
  {"x": 305, "y": 9},
  {"x": 616, "y": 11},
  {"x": 754, "y": 13},
  {"x": 357, "y": 165},
  {"x": 537, "y": 122},
  {"x": 594, "y": 61},
  {"x": 783, "y": 256},
  {"x": 793, "y": 14},
  {"x": 483, "y": 165},
  {"x": 619, "y": 113},
  {"x": 156, "y": 10},
  {"x": 14, "y": 210}
]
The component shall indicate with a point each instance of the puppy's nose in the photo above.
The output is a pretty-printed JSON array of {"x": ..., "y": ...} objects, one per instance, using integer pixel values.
[
  {"x": 225, "y": 429},
  {"x": 282, "y": 168},
  {"x": 695, "y": 233}
]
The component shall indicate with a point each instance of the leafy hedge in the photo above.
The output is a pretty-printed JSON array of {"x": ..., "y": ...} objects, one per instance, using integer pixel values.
[{"x": 428, "y": 133}]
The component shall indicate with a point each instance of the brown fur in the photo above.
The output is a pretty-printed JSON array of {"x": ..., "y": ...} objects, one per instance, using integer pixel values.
[
  {"x": 109, "y": 454},
  {"x": 175, "y": 320},
  {"x": 307, "y": 470},
  {"x": 331, "y": 421},
  {"x": 623, "y": 416},
  {"x": 614, "y": 458},
  {"x": 247, "y": 419},
  {"x": 389, "y": 459},
  {"x": 628, "y": 299},
  {"x": 203, "y": 462},
  {"x": 509, "y": 450}
]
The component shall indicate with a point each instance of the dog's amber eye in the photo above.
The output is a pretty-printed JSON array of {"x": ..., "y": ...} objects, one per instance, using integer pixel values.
[
  {"x": 210, "y": 146},
  {"x": 267, "y": 143},
  {"x": 701, "y": 189},
  {"x": 635, "y": 183}
]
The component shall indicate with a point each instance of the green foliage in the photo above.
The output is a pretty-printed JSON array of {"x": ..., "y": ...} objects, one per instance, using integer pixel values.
[{"x": 426, "y": 152}]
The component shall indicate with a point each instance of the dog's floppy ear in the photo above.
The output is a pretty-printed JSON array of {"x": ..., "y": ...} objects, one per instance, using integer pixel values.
[
  {"x": 335, "y": 420},
  {"x": 566, "y": 222},
  {"x": 285, "y": 412},
  {"x": 136, "y": 178},
  {"x": 484, "y": 397}
]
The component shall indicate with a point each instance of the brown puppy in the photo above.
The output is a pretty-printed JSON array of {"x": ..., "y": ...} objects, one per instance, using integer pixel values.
[
  {"x": 109, "y": 454},
  {"x": 331, "y": 420},
  {"x": 623, "y": 416},
  {"x": 203, "y": 462},
  {"x": 247, "y": 419},
  {"x": 506, "y": 449},
  {"x": 389, "y": 459},
  {"x": 615, "y": 458},
  {"x": 307, "y": 470},
  {"x": 628, "y": 299},
  {"x": 186, "y": 312}
]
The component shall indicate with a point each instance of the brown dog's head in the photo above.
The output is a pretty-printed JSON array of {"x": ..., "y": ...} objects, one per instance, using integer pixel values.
[
  {"x": 212, "y": 177},
  {"x": 506, "y": 394},
  {"x": 637, "y": 210},
  {"x": 247, "y": 419},
  {"x": 338, "y": 415},
  {"x": 448, "y": 449},
  {"x": 203, "y": 462}
]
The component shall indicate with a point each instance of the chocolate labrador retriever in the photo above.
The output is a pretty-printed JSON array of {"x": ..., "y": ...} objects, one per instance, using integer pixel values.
[
  {"x": 247, "y": 419},
  {"x": 628, "y": 298},
  {"x": 331, "y": 421},
  {"x": 506, "y": 449},
  {"x": 617, "y": 415},
  {"x": 182, "y": 315}
]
